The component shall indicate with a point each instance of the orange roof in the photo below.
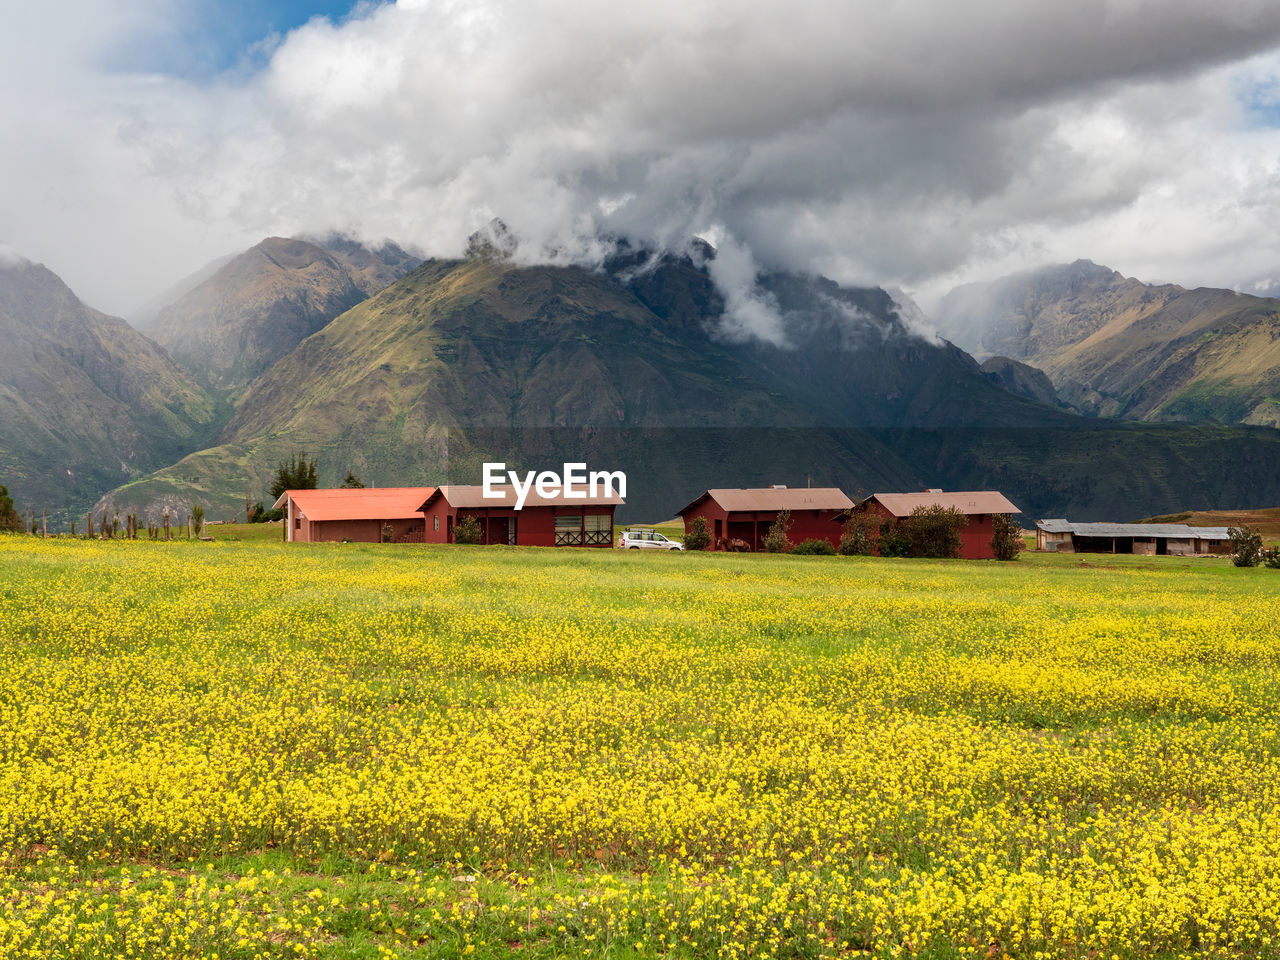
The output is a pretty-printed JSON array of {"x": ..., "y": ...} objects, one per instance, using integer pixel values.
[
  {"x": 379, "y": 503},
  {"x": 967, "y": 501},
  {"x": 472, "y": 496},
  {"x": 776, "y": 498}
]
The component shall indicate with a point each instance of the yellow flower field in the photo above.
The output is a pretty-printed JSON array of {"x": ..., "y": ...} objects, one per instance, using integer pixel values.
[{"x": 252, "y": 750}]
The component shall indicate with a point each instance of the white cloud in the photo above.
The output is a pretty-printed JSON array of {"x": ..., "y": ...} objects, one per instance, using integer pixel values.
[{"x": 913, "y": 143}]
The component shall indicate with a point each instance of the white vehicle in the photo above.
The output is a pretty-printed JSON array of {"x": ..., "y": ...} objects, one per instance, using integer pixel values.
[{"x": 646, "y": 539}]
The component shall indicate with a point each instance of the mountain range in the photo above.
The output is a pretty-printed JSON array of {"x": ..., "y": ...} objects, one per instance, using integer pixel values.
[
  {"x": 409, "y": 372},
  {"x": 1114, "y": 346}
]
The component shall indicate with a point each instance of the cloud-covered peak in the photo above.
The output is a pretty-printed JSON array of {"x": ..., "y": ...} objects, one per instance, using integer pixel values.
[{"x": 906, "y": 143}]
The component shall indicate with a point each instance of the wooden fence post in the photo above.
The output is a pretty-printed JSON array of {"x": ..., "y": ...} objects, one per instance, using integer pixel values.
[
  {"x": 44, "y": 523},
  {"x": 90, "y": 527},
  {"x": 166, "y": 525}
]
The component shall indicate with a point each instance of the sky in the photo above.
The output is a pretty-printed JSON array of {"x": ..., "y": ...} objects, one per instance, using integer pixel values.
[{"x": 916, "y": 144}]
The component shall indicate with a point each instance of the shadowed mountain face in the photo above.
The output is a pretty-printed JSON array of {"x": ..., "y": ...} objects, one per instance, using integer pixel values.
[
  {"x": 1114, "y": 346},
  {"x": 627, "y": 368},
  {"x": 86, "y": 402},
  {"x": 261, "y": 304}
]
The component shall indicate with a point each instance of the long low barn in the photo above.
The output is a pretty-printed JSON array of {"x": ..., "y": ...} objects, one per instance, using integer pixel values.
[
  {"x": 1146, "y": 539},
  {"x": 747, "y": 514},
  {"x": 360, "y": 515},
  {"x": 979, "y": 506},
  {"x": 541, "y": 522}
]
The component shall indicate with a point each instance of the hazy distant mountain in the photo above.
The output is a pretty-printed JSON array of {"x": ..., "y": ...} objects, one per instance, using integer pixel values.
[
  {"x": 1115, "y": 346},
  {"x": 1022, "y": 380},
  {"x": 86, "y": 402},
  {"x": 261, "y": 304},
  {"x": 628, "y": 367}
]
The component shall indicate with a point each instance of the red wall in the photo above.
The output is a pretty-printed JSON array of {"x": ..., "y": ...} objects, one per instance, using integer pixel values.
[
  {"x": 535, "y": 526},
  {"x": 752, "y": 526}
]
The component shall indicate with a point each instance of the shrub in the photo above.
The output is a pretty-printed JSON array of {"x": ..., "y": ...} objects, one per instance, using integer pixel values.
[
  {"x": 775, "y": 541},
  {"x": 1246, "y": 546},
  {"x": 933, "y": 531},
  {"x": 351, "y": 482},
  {"x": 1272, "y": 558},
  {"x": 1006, "y": 540},
  {"x": 861, "y": 534},
  {"x": 814, "y": 547},
  {"x": 468, "y": 530},
  {"x": 197, "y": 519},
  {"x": 893, "y": 540},
  {"x": 9, "y": 519},
  {"x": 697, "y": 537},
  {"x": 261, "y": 514}
]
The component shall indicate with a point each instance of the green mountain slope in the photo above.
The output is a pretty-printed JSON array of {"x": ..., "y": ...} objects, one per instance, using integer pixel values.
[
  {"x": 86, "y": 401},
  {"x": 261, "y": 304},
  {"x": 463, "y": 361},
  {"x": 1117, "y": 347}
]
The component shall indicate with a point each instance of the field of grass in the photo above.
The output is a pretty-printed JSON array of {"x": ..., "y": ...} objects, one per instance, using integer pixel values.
[{"x": 245, "y": 749}]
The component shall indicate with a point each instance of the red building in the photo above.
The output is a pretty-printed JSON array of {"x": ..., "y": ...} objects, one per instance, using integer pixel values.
[
  {"x": 747, "y": 514},
  {"x": 541, "y": 522},
  {"x": 978, "y": 505},
  {"x": 361, "y": 515}
]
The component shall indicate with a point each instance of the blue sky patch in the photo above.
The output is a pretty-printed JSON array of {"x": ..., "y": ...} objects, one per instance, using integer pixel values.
[{"x": 217, "y": 36}]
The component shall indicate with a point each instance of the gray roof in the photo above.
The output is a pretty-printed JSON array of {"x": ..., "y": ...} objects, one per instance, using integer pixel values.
[{"x": 1176, "y": 531}]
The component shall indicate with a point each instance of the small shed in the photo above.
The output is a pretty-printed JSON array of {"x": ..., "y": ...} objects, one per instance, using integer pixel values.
[
  {"x": 1144, "y": 539},
  {"x": 541, "y": 522},
  {"x": 361, "y": 515},
  {"x": 979, "y": 506},
  {"x": 746, "y": 514}
]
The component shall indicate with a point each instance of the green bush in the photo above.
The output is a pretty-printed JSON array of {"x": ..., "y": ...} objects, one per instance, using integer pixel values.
[
  {"x": 893, "y": 540},
  {"x": 1271, "y": 558},
  {"x": 775, "y": 541},
  {"x": 1006, "y": 540},
  {"x": 814, "y": 547},
  {"x": 468, "y": 530},
  {"x": 1246, "y": 546},
  {"x": 697, "y": 537},
  {"x": 9, "y": 519},
  {"x": 861, "y": 534},
  {"x": 933, "y": 531}
]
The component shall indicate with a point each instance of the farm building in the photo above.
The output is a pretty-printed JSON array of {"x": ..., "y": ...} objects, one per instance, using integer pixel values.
[
  {"x": 746, "y": 514},
  {"x": 542, "y": 522},
  {"x": 978, "y": 505},
  {"x": 360, "y": 515},
  {"x": 1146, "y": 539}
]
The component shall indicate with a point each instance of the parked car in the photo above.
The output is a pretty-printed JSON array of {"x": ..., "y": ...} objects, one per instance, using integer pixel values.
[{"x": 646, "y": 539}]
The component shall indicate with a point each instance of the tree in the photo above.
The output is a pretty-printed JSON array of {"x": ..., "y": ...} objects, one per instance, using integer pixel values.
[
  {"x": 1006, "y": 538},
  {"x": 350, "y": 482},
  {"x": 933, "y": 531},
  {"x": 468, "y": 530},
  {"x": 861, "y": 532},
  {"x": 1246, "y": 546},
  {"x": 197, "y": 519},
  {"x": 775, "y": 541},
  {"x": 298, "y": 473},
  {"x": 698, "y": 537},
  {"x": 9, "y": 519}
]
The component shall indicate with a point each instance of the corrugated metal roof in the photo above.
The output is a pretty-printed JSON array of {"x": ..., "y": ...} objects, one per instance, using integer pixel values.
[
  {"x": 966, "y": 501},
  {"x": 1176, "y": 531},
  {"x": 472, "y": 496},
  {"x": 775, "y": 498},
  {"x": 381, "y": 503}
]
